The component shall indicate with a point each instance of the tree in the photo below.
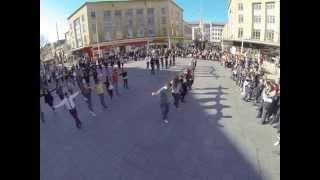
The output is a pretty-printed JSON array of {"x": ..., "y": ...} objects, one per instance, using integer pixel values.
[{"x": 43, "y": 41}]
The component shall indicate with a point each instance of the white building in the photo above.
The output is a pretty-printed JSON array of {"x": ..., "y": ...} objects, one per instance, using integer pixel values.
[
  {"x": 216, "y": 30},
  {"x": 207, "y": 31}
]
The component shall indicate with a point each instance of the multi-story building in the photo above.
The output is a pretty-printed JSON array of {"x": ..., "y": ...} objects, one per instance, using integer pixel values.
[
  {"x": 216, "y": 30},
  {"x": 211, "y": 32},
  {"x": 187, "y": 32},
  {"x": 124, "y": 24},
  {"x": 253, "y": 22}
]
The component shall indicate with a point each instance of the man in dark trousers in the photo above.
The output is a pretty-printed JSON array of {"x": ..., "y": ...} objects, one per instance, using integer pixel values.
[
  {"x": 157, "y": 62},
  {"x": 161, "y": 60},
  {"x": 166, "y": 61},
  {"x": 174, "y": 58},
  {"x": 124, "y": 75},
  {"x": 70, "y": 105},
  {"x": 152, "y": 63}
]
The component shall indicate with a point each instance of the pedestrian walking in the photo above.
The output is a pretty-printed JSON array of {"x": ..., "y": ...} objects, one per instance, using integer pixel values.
[
  {"x": 173, "y": 58},
  {"x": 122, "y": 61},
  {"x": 119, "y": 63},
  {"x": 100, "y": 93},
  {"x": 147, "y": 59},
  {"x": 162, "y": 63},
  {"x": 95, "y": 74},
  {"x": 184, "y": 87},
  {"x": 86, "y": 91},
  {"x": 152, "y": 63},
  {"x": 124, "y": 75},
  {"x": 70, "y": 105},
  {"x": 157, "y": 63},
  {"x": 114, "y": 80},
  {"x": 166, "y": 61},
  {"x": 164, "y": 101},
  {"x": 109, "y": 87},
  {"x": 48, "y": 99},
  {"x": 176, "y": 88}
]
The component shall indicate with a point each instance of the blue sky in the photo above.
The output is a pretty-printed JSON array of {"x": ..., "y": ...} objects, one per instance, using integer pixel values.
[{"x": 57, "y": 11}]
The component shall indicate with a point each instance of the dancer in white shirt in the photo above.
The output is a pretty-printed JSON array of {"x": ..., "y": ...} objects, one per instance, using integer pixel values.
[{"x": 70, "y": 105}]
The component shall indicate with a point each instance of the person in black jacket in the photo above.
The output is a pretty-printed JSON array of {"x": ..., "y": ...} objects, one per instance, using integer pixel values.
[
  {"x": 109, "y": 87},
  {"x": 152, "y": 63},
  {"x": 48, "y": 98},
  {"x": 124, "y": 75},
  {"x": 174, "y": 59},
  {"x": 184, "y": 87}
]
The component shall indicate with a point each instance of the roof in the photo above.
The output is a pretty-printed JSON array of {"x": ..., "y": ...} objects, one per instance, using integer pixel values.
[
  {"x": 176, "y": 5},
  {"x": 106, "y": 1},
  {"x": 219, "y": 24}
]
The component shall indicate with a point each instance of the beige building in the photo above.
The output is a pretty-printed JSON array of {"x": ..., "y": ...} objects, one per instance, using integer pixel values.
[
  {"x": 187, "y": 32},
  {"x": 124, "y": 24},
  {"x": 253, "y": 21}
]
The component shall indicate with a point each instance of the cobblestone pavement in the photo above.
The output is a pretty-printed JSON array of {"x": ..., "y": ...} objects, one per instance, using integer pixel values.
[{"x": 214, "y": 136}]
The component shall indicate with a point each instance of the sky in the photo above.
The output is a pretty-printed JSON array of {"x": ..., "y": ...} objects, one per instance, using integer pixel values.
[{"x": 57, "y": 12}]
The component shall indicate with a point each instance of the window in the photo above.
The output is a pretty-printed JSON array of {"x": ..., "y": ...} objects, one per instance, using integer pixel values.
[
  {"x": 129, "y": 15},
  {"x": 269, "y": 35},
  {"x": 107, "y": 25},
  {"x": 139, "y": 11},
  {"x": 106, "y": 14},
  {"x": 240, "y": 33},
  {"x": 240, "y": 6},
  {"x": 256, "y": 34},
  {"x": 240, "y": 18},
  {"x": 257, "y": 19},
  {"x": 117, "y": 26},
  {"x": 270, "y": 19},
  {"x": 140, "y": 25},
  {"x": 270, "y": 5},
  {"x": 151, "y": 21},
  {"x": 93, "y": 14},
  {"x": 257, "y": 6},
  {"x": 82, "y": 18},
  {"x": 163, "y": 20},
  {"x": 150, "y": 11},
  {"x": 78, "y": 35},
  {"x": 163, "y": 10}
]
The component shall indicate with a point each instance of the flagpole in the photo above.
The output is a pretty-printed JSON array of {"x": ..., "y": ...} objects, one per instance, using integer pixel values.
[{"x": 57, "y": 30}]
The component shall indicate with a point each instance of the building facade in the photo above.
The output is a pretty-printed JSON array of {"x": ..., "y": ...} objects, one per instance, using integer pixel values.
[
  {"x": 124, "y": 24},
  {"x": 206, "y": 31},
  {"x": 253, "y": 21},
  {"x": 216, "y": 30},
  {"x": 187, "y": 32}
]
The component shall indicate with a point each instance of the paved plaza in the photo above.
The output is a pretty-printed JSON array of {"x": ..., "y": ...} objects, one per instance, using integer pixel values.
[{"x": 214, "y": 136}]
